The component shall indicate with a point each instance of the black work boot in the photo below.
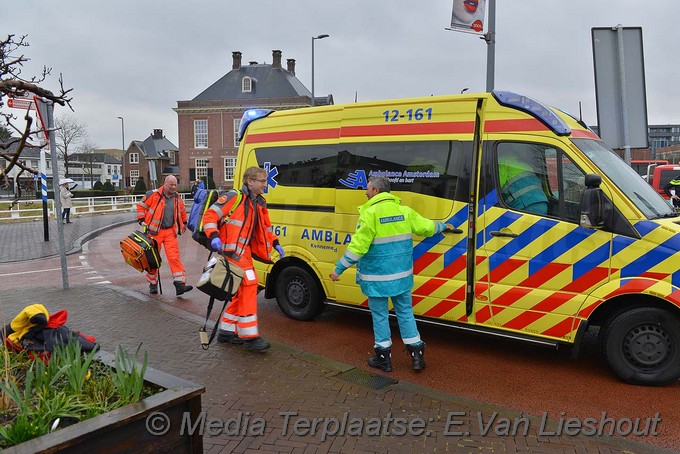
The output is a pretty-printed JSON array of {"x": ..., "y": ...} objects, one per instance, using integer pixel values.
[
  {"x": 228, "y": 337},
  {"x": 256, "y": 343},
  {"x": 382, "y": 359},
  {"x": 417, "y": 351},
  {"x": 153, "y": 289},
  {"x": 181, "y": 288}
]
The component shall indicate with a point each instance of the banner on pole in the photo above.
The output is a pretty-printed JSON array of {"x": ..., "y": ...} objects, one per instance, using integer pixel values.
[{"x": 468, "y": 15}]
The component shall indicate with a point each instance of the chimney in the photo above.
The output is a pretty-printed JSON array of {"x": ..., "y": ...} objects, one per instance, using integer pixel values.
[
  {"x": 276, "y": 59},
  {"x": 157, "y": 134},
  {"x": 291, "y": 65},
  {"x": 236, "y": 57}
]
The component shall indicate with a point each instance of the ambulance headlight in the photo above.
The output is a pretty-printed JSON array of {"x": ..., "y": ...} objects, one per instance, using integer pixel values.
[
  {"x": 249, "y": 116},
  {"x": 534, "y": 108}
]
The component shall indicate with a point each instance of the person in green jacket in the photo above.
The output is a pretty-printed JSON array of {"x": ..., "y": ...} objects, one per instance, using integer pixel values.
[
  {"x": 520, "y": 186},
  {"x": 382, "y": 249}
]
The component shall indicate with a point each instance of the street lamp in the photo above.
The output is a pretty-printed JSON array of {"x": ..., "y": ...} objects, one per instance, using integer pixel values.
[
  {"x": 122, "y": 130},
  {"x": 313, "y": 38}
]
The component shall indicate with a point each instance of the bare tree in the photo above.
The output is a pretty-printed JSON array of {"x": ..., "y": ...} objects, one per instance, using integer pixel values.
[
  {"x": 13, "y": 83},
  {"x": 70, "y": 133},
  {"x": 87, "y": 154}
]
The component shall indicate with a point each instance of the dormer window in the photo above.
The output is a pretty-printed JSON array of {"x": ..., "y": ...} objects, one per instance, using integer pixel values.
[{"x": 246, "y": 85}]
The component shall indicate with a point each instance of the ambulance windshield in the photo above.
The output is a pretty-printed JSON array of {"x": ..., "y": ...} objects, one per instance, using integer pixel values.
[{"x": 645, "y": 198}]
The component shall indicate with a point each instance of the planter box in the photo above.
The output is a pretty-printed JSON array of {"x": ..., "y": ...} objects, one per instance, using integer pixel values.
[{"x": 125, "y": 429}]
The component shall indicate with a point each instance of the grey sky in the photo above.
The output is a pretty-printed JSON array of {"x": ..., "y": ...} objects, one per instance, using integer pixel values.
[{"x": 137, "y": 58}]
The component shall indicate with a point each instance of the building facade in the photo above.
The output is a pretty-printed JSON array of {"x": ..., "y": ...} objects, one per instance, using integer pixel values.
[
  {"x": 88, "y": 168},
  {"x": 151, "y": 160},
  {"x": 208, "y": 124},
  {"x": 661, "y": 139}
]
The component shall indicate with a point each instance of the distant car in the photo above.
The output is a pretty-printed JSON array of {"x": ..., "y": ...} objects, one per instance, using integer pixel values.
[{"x": 662, "y": 175}]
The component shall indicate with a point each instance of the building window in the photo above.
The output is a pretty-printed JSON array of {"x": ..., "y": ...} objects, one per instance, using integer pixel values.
[
  {"x": 229, "y": 167},
  {"x": 201, "y": 168},
  {"x": 134, "y": 158},
  {"x": 659, "y": 143},
  {"x": 200, "y": 133},
  {"x": 246, "y": 85},
  {"x": 134, "y": 176},
  {"x": 172, "y": 155},
  {"x": 237, "y": 125}
]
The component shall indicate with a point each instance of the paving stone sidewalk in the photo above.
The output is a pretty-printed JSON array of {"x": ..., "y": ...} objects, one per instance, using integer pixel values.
[
  {"x": 26, "y": 240},
  {"x": 272, "y": 399}
]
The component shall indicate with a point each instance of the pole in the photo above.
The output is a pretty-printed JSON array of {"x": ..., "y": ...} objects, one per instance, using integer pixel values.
[
  {"x": 624, "y": 97},
  {"x": 55, "y": 186},
  {"x": 313, "y": 38},
  {"x": 490, "y": 38},
  {"x": 122, "y": 131},
  {"x": 43, "y": 188}
]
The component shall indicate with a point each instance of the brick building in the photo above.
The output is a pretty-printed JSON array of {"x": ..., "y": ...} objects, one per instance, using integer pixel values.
[
  {"x": 150, "y": 160},
  {"x": 208, "y": 124}
]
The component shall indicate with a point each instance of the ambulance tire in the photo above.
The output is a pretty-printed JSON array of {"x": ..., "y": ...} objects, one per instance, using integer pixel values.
[
  {"x": 642, "y": 346},
  {"x": 298, "y": 293}
]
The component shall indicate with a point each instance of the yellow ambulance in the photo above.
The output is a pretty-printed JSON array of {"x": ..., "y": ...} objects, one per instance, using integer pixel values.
[{"x": 556, "y": 234}]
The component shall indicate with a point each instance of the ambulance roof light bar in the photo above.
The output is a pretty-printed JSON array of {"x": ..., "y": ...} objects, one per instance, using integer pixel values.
[
  {"x": 534, "y": 108},
  {"x": 249, "y": 116}
]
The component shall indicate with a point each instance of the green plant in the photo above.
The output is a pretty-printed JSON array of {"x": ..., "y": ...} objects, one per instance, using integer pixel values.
[
  {"x": 128, "y": 379},
  {"x": 76, "y": 365},
  {"x": 98, "y": 185},
  {"x": 140, "y": 187},
  {"x": 108, "y": 186},
  {"x": 71, "y": 387}
]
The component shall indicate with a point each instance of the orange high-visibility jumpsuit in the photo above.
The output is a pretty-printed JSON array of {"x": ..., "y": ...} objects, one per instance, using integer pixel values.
[
  {"x": 247, "y": 233},
  {"x": 150, "y": 210}
]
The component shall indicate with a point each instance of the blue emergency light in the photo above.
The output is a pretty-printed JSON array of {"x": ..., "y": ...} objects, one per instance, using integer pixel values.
[
  {"x": 250, "y": 115},
  {"x": 534, "y": 108}
]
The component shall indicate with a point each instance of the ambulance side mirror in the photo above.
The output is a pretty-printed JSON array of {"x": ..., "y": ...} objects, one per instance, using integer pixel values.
[{"x": 596, "y": 208}]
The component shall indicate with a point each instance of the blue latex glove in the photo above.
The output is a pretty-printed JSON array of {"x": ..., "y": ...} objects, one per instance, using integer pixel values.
[
  {"x": 216, "y": 244},
  {"x": 279, "y": 249}
]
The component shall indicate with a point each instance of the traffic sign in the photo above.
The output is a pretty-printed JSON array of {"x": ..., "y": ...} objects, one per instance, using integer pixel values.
[{"x": 20, "y": 103}]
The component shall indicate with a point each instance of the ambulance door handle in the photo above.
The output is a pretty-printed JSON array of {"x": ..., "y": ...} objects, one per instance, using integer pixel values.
[{"x": 503, "y": 234}]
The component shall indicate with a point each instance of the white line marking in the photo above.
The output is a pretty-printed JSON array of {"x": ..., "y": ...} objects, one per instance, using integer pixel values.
[{"x": 41, "y": 271}]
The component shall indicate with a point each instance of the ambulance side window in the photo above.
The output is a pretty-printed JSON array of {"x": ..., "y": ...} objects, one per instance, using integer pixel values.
[
  {"x": 302, "y": 166},
  {"x": 436, "y": 168},
  {"x": 539, "y": 179}
]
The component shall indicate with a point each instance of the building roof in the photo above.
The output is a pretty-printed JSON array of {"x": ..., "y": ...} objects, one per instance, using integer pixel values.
[
  {"x": 115, "y": 152},
  {"x": 155, "y": 146},
  {"x": 29, "y": 151},
  {"x": 104, "y": 158},
  {"x": 268, "y": 82}
]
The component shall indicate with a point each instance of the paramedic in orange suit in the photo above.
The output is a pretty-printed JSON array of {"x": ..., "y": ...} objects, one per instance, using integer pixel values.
[
  {"x": 163, "y": 214},
  {"x": 244, "y": 235}
]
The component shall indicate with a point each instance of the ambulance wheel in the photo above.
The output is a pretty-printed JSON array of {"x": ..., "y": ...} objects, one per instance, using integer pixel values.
[
  {"x": 642, "y": 346},
  {"x": 298, "y": 294}
]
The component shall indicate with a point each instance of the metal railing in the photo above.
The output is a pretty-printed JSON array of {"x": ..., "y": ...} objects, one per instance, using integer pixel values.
[{"x": 26, "y": 210}]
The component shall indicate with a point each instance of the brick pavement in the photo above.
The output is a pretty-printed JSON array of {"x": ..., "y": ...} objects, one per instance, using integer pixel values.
[
  {"x": 265, "y": 389},
  {"x": 26, "y": 240}
]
